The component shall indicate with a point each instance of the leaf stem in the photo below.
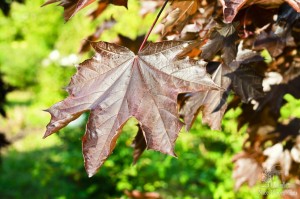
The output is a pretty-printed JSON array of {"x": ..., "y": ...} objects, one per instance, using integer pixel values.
[{"x": 153, "y": 24}]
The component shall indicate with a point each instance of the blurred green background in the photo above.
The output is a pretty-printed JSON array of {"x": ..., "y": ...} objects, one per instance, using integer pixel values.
[{"x": 38, "y": 52}]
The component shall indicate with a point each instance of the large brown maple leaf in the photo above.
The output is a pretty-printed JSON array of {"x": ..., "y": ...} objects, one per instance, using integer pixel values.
[{"x": 116, "y": 84}]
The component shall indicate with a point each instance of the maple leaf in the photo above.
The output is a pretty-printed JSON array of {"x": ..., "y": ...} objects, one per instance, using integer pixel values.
[
  {"x": 270, "y": 41},
  {"x": 182, "y": 10},
  {"x": 275, "y": 42},
  {"x": 212, "y": 104},
  {"x": 246, "y": 82},
  {"x": 223, "y": 38},
  {"x": 71, "y": 7},
  {"x": 238, "y": 76},
  {"x": 190, "y": 32},
  {"x": 247, "y": 169},
  {"x": 231, "y": 8},
  {"x": 116, "y": 84}
]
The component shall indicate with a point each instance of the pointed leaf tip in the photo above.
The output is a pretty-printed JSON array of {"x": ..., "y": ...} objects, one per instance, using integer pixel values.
[
  {"x": 173, "y": 154},
  {"x": 90, "y": 175},
  {"x": 90, "y": 172},
  {"x": 46, "y": 135}
]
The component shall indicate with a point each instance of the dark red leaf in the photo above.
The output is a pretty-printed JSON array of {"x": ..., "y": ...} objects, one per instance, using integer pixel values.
[
  {"x": 231, "y": 8},
  {"x": 71, "y": 7},
  {"x": 116, "y": 84},
  {"x": 223, "y": 39},
  {"x": 212, "y": 104},
  {"x": 246, "y": 82}
]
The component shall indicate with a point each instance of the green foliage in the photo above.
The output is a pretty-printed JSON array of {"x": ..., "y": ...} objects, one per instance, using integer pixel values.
[
  {"x": 202, "y": 170},
  {"x": 24, "y": 42},
  {"x": 291, "y": 108}
]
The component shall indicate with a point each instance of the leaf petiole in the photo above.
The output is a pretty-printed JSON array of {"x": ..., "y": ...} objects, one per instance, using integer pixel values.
[{"x": 150, "y": 30}]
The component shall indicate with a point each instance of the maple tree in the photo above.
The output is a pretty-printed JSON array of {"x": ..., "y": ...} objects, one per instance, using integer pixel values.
[{"x": 210, "y": 50}]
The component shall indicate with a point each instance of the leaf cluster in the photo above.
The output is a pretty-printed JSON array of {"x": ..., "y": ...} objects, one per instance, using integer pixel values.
[{"x": 214, "y": 49}]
